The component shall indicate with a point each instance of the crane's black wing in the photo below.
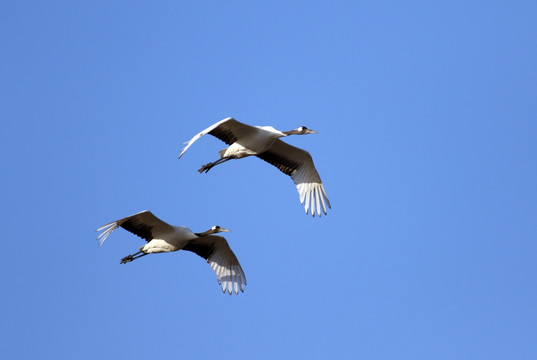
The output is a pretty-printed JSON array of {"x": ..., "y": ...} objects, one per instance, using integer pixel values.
[
  {"x": 216, "y": 250},
  {"x": 143, "y": 224},
  {"x": 227, "y": 130},
  {"x": 298, "y": 164}
]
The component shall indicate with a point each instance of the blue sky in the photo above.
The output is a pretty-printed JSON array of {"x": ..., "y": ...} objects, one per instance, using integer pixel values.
[{"x": 427, "y": 121}]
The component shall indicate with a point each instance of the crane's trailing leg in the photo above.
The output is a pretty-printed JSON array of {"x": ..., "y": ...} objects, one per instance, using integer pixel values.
[
  {"x": 209, "y": 166},
  {"x": 129, "y": 258}
]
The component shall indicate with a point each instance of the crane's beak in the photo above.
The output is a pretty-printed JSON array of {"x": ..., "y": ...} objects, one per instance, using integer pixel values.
[
  {"x": 224, "y": 230},
  {"x": 309, "y": 131}
]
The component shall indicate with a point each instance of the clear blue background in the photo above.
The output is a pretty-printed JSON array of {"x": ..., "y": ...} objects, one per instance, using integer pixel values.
[{"x": 427, "y": 121}]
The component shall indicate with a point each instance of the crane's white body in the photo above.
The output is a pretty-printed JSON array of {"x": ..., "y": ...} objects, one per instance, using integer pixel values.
[
  {"x": 264, "y": 142},
  {"x": 252, "y": 144},
  {"x": 169, "y": 241},
  {"x": 163, "y": 237}
]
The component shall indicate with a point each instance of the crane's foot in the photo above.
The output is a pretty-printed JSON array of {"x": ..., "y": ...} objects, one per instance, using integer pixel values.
[
  {"x": 205, "y": 168},
  {"x": 209, "y": 166},
  {"x": 126, "y": 259}
]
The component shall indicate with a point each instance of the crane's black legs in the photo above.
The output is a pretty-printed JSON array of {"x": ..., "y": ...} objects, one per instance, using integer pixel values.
[
  {"x": 129, "y": 258},
  {"x": 209, "y": 166}
]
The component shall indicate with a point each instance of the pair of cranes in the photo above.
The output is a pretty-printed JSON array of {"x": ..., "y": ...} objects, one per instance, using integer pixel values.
[{"x": 243, "y": 140}]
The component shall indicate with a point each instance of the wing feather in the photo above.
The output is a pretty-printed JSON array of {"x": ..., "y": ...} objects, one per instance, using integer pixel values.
[
  {"x": 226, "y": 266},
  {"x": 143, "y": 224},
  {"x": 298, "y": 164},
  {"x": 227, "y": 130}
]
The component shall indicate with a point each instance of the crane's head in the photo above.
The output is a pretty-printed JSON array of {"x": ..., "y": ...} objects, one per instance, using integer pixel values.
[
  {"x": 216, "y": 229},
  {"x": 300, "y": 131}
]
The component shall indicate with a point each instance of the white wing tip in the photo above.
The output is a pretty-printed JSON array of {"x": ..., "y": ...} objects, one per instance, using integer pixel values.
[
  {"x": 183, "y": 151},
  {"x": 314, "y": 198},
  {"x": 231, "y": 278},
  {"x": 106, "y": 231}
]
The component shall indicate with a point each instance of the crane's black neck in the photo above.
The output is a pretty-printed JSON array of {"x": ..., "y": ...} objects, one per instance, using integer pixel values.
[
  {"x": 291, "y": 132},
  {"x": 205, "y": 233}
]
